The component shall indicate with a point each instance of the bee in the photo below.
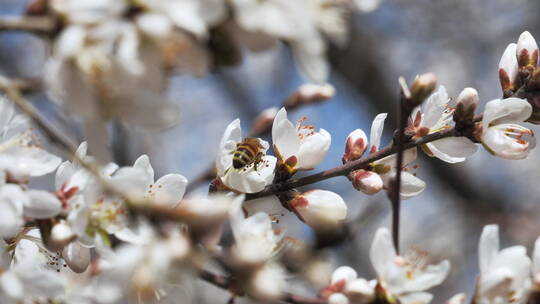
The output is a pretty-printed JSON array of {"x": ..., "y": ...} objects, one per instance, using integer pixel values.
[{"x": 249, "y": 151}]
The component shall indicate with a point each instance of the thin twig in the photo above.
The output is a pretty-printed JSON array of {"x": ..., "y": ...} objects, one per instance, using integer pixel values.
[
  {"x": 395, "y": 191},
  {"x": 36, "y": 24},
  {"x": 347, "y": 168}
]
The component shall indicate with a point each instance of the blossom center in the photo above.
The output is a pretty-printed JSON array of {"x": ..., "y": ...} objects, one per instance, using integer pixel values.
[
  {"x": 303, "y": 131},
  {"x": 413, "y": 262}
]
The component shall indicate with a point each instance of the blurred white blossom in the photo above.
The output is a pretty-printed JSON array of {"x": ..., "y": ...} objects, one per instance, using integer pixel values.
[{"x": 505, "y": 275}]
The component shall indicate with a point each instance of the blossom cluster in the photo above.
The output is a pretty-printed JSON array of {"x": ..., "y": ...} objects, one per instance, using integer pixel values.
[
  {"x": 106, "y": 51},
  {"x": 107, "y": 234},
  {"x": 506, "y": 276}
]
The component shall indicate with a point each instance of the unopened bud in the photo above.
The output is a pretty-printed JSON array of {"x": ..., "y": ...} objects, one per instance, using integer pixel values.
[
  {"x": 421, "y": 88},
  {"x": 355, "y": 145},
  {"x": 76, "y": 256},
  {"x": 366, "y": 181},
  {"x": 320, "y": 209},
  {"x": 264, "y": 121},
  {"x": 467, "y": 102},
  {"x": 310, "y": 93},
  {"x": 527, "y": 50},
  {"x": 61, "y": 234},
  {"x": 508, "y": 67}
]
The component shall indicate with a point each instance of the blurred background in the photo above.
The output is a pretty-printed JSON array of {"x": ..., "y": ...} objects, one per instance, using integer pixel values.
[{"x": 460, "y": 40}]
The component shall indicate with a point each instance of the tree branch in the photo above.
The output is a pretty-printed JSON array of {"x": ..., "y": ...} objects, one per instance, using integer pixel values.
[
  {"x": 347, "y": 168},
  {"x": 36, "y": 24},
  {"x": 395, "y": 191}
]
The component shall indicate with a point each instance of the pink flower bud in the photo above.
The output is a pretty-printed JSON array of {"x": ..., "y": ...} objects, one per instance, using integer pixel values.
[
  {"x": 508, "y": 67},
  {"x": 527, "y": 50},
  {"x": 355, "y": 145},
  {"x": 320, "y": 209},
  {"x": 366, "y": 181}
]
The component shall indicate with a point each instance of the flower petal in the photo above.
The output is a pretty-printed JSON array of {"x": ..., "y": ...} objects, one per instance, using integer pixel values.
[
  {"x": 11, "y": 285},
  {"x": 143, "y": 163},
  {"x": 416, "y": 298},
  {"x": 76, "y": 256},
  {"x": 232, "y": 136},
  {"x": 247, "y": 180},
  {"x": 536, "y": 257},
  {"x": 488, "y": 246},
  {"x": 432, "y": 276},
  {"x": 377, "y": 127},
  {"x": 382, "y": 252},
  {"x": 508, "y": 141},
  {"x": 284, "y": 135},
  {"x": 509, "y": 110},
  {"x": 169, "y": 189},
  {"x": 434, "y": 107},
  {"x": 453, "y": 149},
  {"x": 313, "y": 150},
  {"x": 509, "y": 65},
  {"x": 42, "y": 204}
]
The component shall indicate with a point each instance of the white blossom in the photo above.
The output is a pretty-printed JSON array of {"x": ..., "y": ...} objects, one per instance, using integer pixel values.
[
  {"x": 255, "y": 239},
  {"x": 504, "y": 274},
  {"x": 379, "y": 174},
  {"x": 250, "y": 178},
  {"x": 536, "y": 263},
  {"x": 346, "y": 287},
  {"x": 147, "y": 273},
  {"x": 405, "y": 277},
  {"x": 435, "y": 115},
  {"x": 268, "y": 283},
  {"x": 98, "y": 73},
  {"x": 20, "y": 156},
  {"x": 501, "y": 136},
  {"x": 300, "y": 147},
  {"x": 410, "y": 184},
  {"x": 12, "y": 200},
  {"x": 279, "y": 19}
]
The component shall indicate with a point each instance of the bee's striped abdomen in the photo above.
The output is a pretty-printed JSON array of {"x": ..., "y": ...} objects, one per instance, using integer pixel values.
[{"x": 245, "y": 154}]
